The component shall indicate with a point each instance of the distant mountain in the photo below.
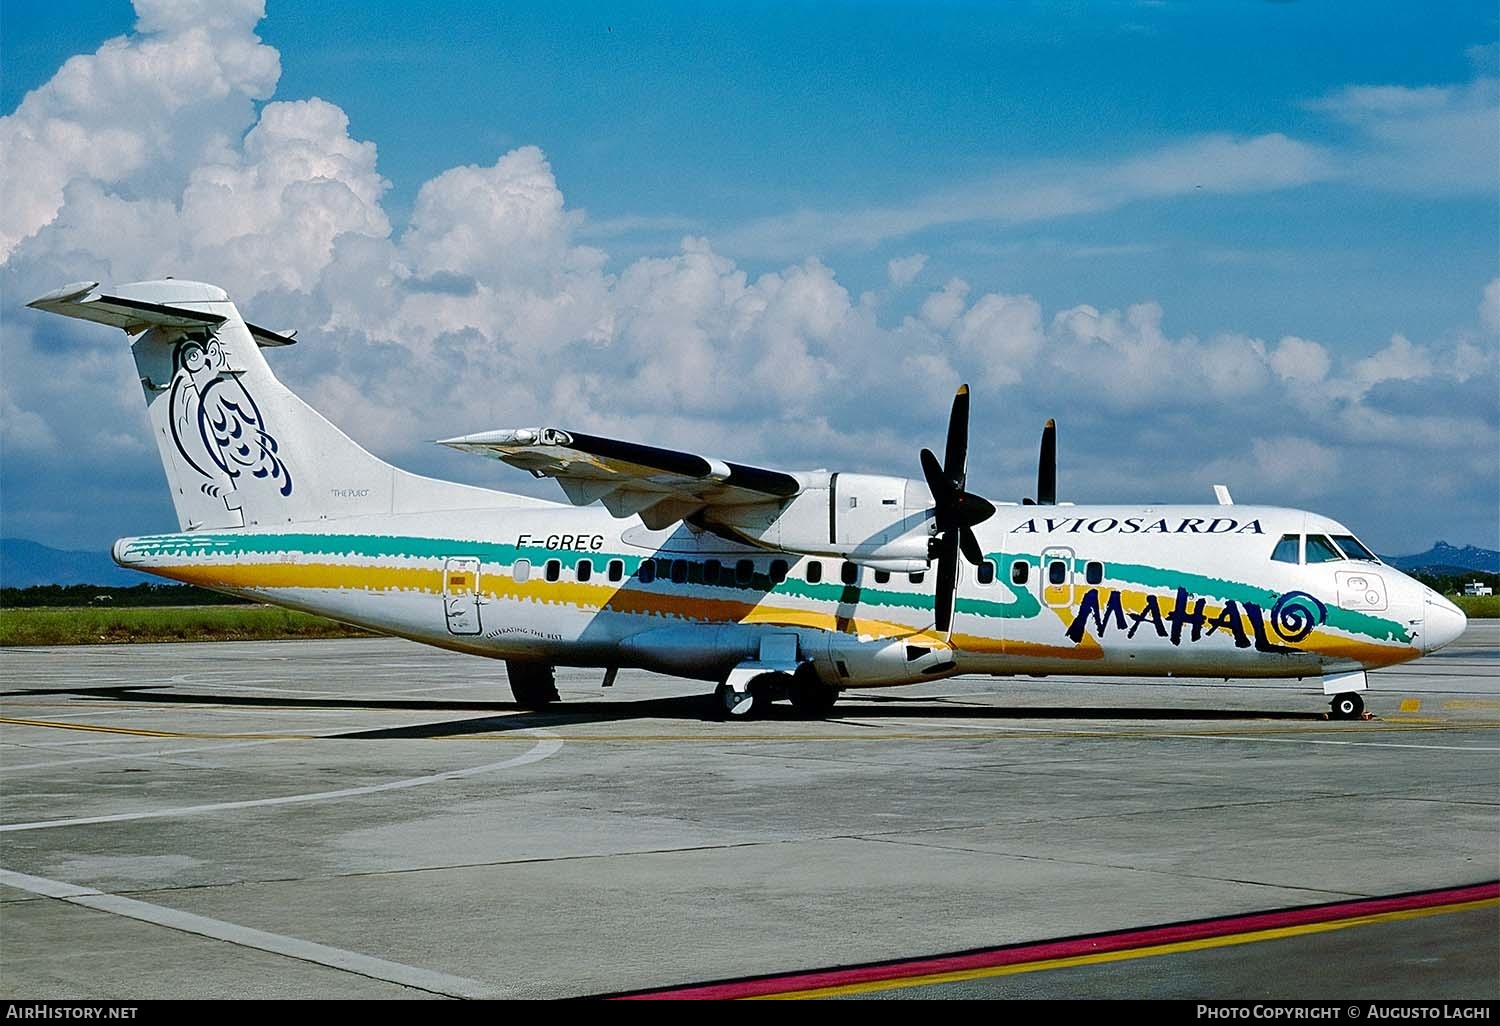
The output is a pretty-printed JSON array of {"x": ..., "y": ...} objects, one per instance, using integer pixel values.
[
  {"x": 1445, "y": 559},
  {"x": 24, "y": 564}
]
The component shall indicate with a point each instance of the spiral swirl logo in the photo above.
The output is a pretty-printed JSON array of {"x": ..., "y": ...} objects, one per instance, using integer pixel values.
[{"x": 1295, "y": 615}]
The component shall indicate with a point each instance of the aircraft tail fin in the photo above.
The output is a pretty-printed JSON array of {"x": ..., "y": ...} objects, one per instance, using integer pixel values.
[{"x": 239, "y": 448}]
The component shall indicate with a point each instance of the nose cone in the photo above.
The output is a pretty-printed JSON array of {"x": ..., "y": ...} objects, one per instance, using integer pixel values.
[{"x": 1445, "y": 622}]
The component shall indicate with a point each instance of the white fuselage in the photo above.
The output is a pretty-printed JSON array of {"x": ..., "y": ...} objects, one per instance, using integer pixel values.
[{"x": 1177, "y": 590}]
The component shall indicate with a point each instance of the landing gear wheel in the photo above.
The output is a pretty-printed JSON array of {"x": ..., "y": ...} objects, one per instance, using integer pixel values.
[
  {"x": 732, "y": 704},
  {"x": 811, "y": 698},
  {"x": 1347, "y": 706}
]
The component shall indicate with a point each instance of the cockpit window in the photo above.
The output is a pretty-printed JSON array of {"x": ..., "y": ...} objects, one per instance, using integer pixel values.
[
  {"x": 1321, "y": 550},
  {"x": 1286, "y": 550},
  {"x": 1354, "y": 549}
]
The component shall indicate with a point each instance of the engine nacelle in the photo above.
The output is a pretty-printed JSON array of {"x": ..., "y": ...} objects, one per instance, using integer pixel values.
[
  {"x": 840, "y": 660},
  {"x": 846, "y": 661},
  {"x": 871, "y": 519}
]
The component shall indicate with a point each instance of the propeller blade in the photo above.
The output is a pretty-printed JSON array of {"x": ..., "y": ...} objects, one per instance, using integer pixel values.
[
  {"x": 956, "y": 454},
  {"x": 955, "y": 511},
  {"x": 1046, "y": 468},
  {"x": 947, "y": 574},
  {"x": 936, "y": 482},
  {"x": 970, "y": 546}
]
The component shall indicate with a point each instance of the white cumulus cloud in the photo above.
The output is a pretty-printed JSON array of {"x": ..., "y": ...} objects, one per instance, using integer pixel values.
[
  {"x": 137, "y": 112},
  {"x": 1300, "y": 360},
  {"x": 904, "y": 270},
  {"x": 1489, "y": 306},
  {"x": 488, "y": 308}
]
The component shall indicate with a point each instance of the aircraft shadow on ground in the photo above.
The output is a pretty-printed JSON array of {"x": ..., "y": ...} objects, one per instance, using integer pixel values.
[{"x": 506, "y": 716}]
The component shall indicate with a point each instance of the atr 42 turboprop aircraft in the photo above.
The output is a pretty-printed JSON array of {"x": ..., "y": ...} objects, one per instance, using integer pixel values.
[{"x": 769, "y": 583}]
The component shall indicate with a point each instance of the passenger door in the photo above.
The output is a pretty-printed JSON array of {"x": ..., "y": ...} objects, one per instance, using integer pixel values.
[{"x": 461, "y": 595}]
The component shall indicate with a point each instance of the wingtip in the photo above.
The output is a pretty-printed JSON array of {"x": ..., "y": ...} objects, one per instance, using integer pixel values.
[
  {"x": 1051, "y": 424},
  {"x": 963, "y": 389}
]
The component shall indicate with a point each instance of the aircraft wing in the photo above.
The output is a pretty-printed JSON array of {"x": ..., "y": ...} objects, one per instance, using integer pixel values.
[{"x": 662, "y": 485}]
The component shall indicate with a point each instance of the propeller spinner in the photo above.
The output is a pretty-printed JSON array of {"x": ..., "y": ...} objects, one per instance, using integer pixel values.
[{"x": 956, "y": 511}]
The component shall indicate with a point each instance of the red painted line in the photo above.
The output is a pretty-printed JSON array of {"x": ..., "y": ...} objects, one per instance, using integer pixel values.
[{"x": 1071, "y": 947}]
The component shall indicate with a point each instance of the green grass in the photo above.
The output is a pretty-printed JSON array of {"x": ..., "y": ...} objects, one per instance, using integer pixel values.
[
  {"x": 89, "y": 626},
  {"x": 1478, "y": 607}
]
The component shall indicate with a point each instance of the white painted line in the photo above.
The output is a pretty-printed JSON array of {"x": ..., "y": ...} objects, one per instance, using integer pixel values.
[
  {"x": 247, "y": 937},
  {"x": 547, "y": 745}
]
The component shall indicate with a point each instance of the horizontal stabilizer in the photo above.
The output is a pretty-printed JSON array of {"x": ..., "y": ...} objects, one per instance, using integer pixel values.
[{"x": 134, "y": 316}]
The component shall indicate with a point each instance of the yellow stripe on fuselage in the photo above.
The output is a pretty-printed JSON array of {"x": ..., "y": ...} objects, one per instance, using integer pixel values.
[
  {"x": 587, "y": 597},
  {"x": 269, "y": 576}
]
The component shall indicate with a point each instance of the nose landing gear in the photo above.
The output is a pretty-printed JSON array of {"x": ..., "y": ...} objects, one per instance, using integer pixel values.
[{"x": 1348, "y": 706}]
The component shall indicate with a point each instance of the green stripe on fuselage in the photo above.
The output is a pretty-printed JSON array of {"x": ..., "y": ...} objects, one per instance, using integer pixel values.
[{"x": 1022, "y": 603}]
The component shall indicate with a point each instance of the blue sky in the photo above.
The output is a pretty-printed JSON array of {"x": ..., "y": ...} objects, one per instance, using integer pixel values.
[{"x": 1116, "y": 213}]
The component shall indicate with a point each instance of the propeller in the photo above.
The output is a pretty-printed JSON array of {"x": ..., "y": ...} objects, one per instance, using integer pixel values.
[
  {"x": 956, "y": 511},
  {"x": 1046, "y": 469}
]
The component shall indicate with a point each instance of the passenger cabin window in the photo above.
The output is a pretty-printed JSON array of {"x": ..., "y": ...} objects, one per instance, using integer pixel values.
[
  {"x": 882, "y": 577},
  {"x": 1354, "y": 549},
  {"x": 778, "y": 571},
  {"x": 1286, "y": 550},
  {"x": 849, "y": 573},
  {"x": 616, "y": 569},
  {"x": 1093, "y": 572},
  {"x": 585, "y": 570},
  {"x": 985, "y": 573},
  {"x": 711, "y": 572},
  {"x": 552, "y": 570},
  {"x": 744, "y": 572},
  {"x": 648, "y": 571},
  {"x": 1020, "y": 572},
  {"x": 1321, "y": 550},
  {"x": 521, "y": 570},
  {"x": 1057, "y": 572},
  {"x": 814, "y": 572},
  {"x": 679, "y": 571},
  {"x": 917, "y": 576}
]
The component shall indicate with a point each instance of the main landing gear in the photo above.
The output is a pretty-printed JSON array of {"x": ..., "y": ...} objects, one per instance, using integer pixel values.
[
  {"x": 810, "y": 697},
  {"x": 532, "y": 684},
  {"x": 1348, "y": 706},
  {"x": 732, "y": 704}
]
